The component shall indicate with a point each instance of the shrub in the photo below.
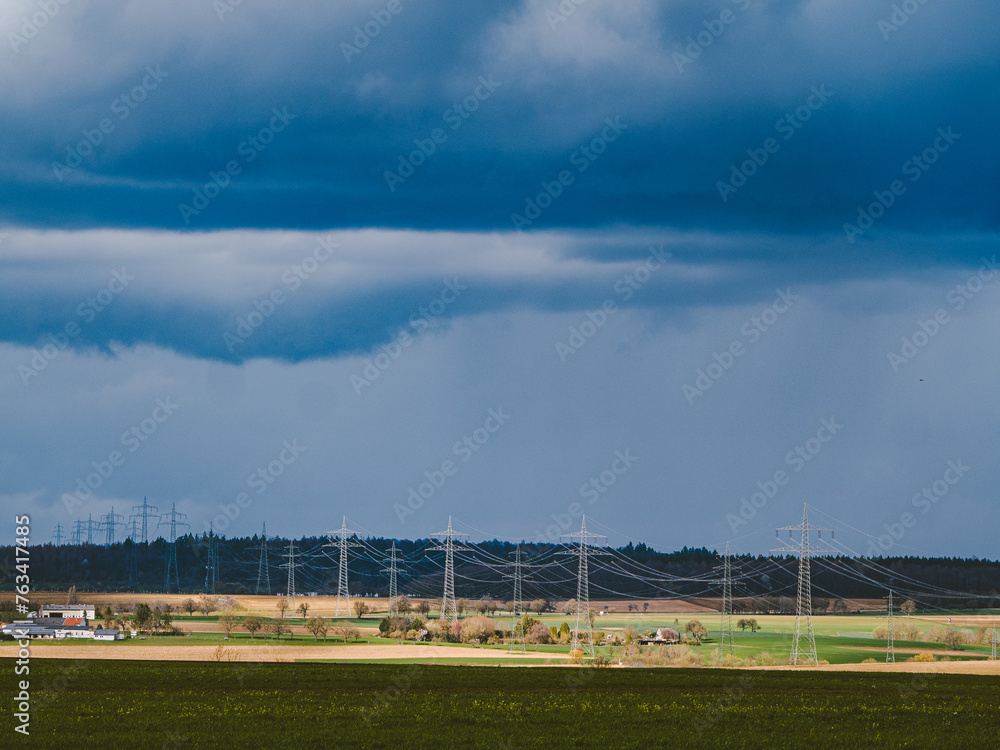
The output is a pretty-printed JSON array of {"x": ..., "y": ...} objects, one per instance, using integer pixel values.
[
  {"x": 869, "y": 661},
  {"x": 478, "y": 629},
  {"x": 922, "y": 657},
  {"x": 537, "y": 634},
  {"x": 576, "y": 656},
  {"x": 880, "y": 633}
]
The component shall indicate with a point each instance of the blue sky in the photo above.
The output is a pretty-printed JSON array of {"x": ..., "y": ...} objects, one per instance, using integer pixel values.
[{"x": 489, "y": 250}]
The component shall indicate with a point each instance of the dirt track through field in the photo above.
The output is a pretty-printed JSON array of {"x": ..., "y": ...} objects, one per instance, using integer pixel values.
[{"x": 262, "y": 652}]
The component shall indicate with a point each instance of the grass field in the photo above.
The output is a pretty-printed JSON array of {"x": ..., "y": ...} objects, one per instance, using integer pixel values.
[{"x": 200, "y": 705}]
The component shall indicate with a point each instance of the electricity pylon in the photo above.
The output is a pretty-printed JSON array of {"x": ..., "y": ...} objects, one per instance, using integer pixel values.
[
  {"x": 993, "y": 642},
  {"x": 212, "y": 564},
  {"x": 263, "y": 569},
  {"x": 58, "y": 534},
  {"x": 343, "y": 535},
  {"x": 727, "y": 638},
  {"x": 131, "y": 535},
  {"x": 448, "y": 603},
  {"x": 803, "y": 653},
  {"x": 391, "y": 570},
  {"x": 133, "y": 565},
  {"x": 584, "y": 551},
  {"x": 516, "y": 615},
  {"x": 91, "y": 526},
  {"x": 290, "y": 590},
  {"x": 132, "y": 528},
  {"x": 890, "y": 643},
  {"x": 109, "y": 522},
  {"x": 76, "y": 539},
  {"x": 145, "y": 512},
  {"x": 176, "y": 519}
]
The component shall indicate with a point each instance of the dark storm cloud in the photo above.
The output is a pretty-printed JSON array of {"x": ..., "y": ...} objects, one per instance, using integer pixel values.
[{"x": 534, "y": 86}]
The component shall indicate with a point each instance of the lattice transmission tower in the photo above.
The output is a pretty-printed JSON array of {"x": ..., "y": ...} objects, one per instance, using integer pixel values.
[
  {"x": 58, "y": 535},
  {"x": 344, "y": 541},
  {"x": 145, "y": 512},
  {"x": 263, "y": 567},
  {"x": 993, "y": 643},
  {"x": 391, "y": 561},
  {"x": 109, "y": 523},
  {"x": 448, "y": 603},
  {"x": 583, "y": 614},
  {"x": 291, "y": 565},
  {"x": 212, "y": 563},
  {"x": 890, "y": 643},
  {"x": 76, "y": 539},
  {"x": 92, "y": 526},
  {"x": 727, "y": 637},
  {"x": 517, "y": 613},
  {"x": 175, "y": 519},
  {"x": 804, "y": 640}
]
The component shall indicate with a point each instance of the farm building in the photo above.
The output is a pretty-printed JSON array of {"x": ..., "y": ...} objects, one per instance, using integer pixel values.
[
  {"x": 67, "y": 610},
  {"x": 663, "y": 636},
  {"x": 57, "y": 627}
]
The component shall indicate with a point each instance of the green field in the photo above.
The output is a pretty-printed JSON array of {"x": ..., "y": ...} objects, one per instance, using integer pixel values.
[{"x": 200, "y": 705}]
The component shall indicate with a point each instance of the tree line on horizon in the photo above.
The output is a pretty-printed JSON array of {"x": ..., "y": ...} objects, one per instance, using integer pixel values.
[{"x": 92, "y": 567}]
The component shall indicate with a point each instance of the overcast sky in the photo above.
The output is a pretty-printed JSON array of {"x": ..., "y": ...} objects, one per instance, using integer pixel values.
[{"x": 505, "y": 261}]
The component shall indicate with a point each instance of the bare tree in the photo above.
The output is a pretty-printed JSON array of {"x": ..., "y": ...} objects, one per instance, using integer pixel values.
[
  {"x": 360, "y": 608},
  {"x": 317, "y": 626},
  {"x": 424, "y": 607},
  {"x": 908, "y": 607},
  {"x": 228, "y": 620},
  {"x": 189, "y": 605},
  {"x": 281, "y": 605},
  {"x": 645, "y": 607},
  {"x": 207, "y": 604},
  {"x": 278, "y": 628},
  {"x": 403, "y": 604},
  {"x": 304, "y": 609},
  {"x": 538, "y": 606},
  {"x": 251, "y": 624}
]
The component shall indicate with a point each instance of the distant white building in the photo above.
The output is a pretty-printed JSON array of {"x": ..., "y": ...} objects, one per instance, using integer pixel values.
[
  {"x": 108, "y": 635},
  {"x": 68, "y": 610}
]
